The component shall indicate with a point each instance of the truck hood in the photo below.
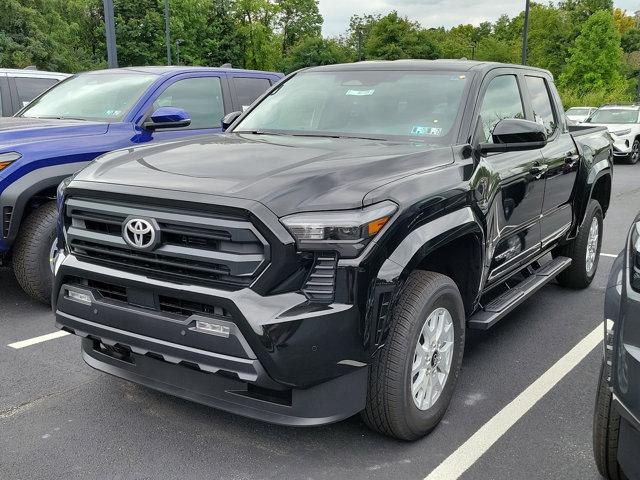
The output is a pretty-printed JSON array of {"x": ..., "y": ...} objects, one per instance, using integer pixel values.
[
  {"x": 19, "y": 130},
  {"x": 287, "y": 174}
]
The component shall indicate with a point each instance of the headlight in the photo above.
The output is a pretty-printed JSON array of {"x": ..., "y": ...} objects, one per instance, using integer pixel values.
[
  {"x": 347, "y": 231},
  {"x": 635, "y": 257},
  {"x": 623, "y": 132},
  {"x": 8, "y": 158}
]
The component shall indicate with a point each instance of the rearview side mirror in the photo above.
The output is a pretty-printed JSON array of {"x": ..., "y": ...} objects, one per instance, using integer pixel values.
[
  {"x": 514, "y": 134},
  {"x": 167, "y": 117},
  {"x": 229, "y": 119}
]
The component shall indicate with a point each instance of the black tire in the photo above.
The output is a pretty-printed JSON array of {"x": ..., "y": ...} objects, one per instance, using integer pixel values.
[
  {"x": 32, "y": 249},
  {"x": 577, "y": 276},
  {"x": 390, "y": 407},
  {"x": 634, "y": 156},
  {"x": 606, "y": 427}
]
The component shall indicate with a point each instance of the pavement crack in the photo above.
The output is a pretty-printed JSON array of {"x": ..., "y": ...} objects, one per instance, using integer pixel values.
[{"x": 23, "y": 407}]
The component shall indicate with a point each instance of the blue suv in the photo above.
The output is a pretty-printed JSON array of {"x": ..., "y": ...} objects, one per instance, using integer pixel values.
[{"x": 90, "y": 114}]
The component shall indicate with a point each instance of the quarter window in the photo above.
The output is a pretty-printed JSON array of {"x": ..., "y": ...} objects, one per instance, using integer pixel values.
[
  {"x": 248, "y": 89},
  {"x": 501, "y": 100},
  {"x": 541, "y": 103},
  {"x": 200, "y": 97}
]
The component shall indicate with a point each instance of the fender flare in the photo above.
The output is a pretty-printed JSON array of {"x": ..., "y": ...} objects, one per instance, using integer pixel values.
[
  {"x": 597, "y": 171},
  {"x": 19, "y": 193}
]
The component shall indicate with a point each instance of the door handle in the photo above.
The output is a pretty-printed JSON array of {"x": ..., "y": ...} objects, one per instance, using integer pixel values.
[
  {"x": 571, "y": 159},
  {"x": 538, "y": 170}
]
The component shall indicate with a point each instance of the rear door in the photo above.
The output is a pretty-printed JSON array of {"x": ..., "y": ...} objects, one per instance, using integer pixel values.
[
  {"x": 561, "y": 159},
  {"x": 204, "y": 96},
  {"x": 246, "y": 88}
]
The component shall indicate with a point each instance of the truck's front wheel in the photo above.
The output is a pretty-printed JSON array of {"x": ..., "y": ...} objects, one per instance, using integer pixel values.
[
  {"x": 32, "y": 252},
  {"x": 411, "y": 380}
]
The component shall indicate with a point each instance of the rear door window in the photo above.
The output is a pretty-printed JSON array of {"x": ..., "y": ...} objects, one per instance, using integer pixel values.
[
  {"x": 29, "y": 88},
  {"x": 200, "y": 97},
  {"x": 249, "y": 89}
]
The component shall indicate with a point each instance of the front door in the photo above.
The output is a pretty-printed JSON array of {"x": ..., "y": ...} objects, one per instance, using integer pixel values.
[{"x": 515, "y": 183}]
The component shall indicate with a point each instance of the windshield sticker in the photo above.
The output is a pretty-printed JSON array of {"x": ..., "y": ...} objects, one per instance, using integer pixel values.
[
  {"x": 360, "y": 93},
  {"x": 423, "y": 131}
]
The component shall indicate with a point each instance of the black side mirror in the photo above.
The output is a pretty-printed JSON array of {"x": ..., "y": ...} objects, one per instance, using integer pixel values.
[
  {"x": 513, "y": 134},
  {"x": 167, "y": 117},
  {"x": 228, "y": 119}
]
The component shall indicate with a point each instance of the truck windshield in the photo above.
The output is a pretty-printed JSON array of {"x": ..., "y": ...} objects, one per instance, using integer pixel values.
[
  {"x": 398, "y": 105},
  {"x": 103, "y": 97},
  {"x": 615, "y": 115}
]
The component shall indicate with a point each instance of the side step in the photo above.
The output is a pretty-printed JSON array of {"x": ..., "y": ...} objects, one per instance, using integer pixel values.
[{"x": 505, "y": 303}]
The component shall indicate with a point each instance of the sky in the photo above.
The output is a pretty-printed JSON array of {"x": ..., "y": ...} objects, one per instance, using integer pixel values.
[{"x": 430, "y": 13}]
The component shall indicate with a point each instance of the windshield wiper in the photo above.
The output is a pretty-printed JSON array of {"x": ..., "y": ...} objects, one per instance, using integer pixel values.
[
  {"x": 314, "y": 135},
  {"x": 62, "y": 118}
]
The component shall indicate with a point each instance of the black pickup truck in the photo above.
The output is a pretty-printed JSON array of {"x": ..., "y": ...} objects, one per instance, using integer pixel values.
[{"x": 326, "y": 254}]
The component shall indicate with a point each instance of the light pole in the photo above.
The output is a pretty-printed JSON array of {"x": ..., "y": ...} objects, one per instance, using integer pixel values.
[
  {"x": 166, "y": 31},
  {"x": 178, "y": 42},
  {"x": 525, "y": 32},
  {"x": 110, "y": 33}
]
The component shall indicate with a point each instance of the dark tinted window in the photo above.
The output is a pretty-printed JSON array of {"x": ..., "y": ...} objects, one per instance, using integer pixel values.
[
  {"x": 248, "y": 89},
  {"x": 501, "y": 100},
  {"x": 200, "y": 97},
  {"x": 541, "y": 103},
  {"x": 30, "y": 88}
]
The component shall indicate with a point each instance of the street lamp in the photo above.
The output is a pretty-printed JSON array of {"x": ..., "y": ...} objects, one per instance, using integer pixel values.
[
  {"x": 525, "y": 33},
  {"x": 110, "y": 33},
  {"x": 166, "y": 31},
  {"x": 178, "y": 42}
]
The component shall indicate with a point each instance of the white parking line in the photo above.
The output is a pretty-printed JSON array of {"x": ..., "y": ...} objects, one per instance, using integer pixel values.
[
  {"x": 608, "y": 255},
  {"x": 40, "y": 339},
  {"x": 471, "y": 450}
]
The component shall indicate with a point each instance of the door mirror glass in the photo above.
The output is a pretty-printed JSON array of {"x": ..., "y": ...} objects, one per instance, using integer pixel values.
[
  {"x": 512, "y": 134},
  {"x": 229, "y": 119},
  {"x": 167, "y": 117}
]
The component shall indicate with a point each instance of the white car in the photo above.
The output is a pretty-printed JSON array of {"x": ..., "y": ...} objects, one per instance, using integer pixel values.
[
  {"x": 579, "y": 114},
  {"x": 623, "y": 123}
]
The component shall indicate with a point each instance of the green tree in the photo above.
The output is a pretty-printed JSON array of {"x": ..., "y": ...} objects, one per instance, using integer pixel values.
[
  {"x": 298, "y": 19},
  {"x": 394, "y": 37},
  {"x": 140, "y": 32},
  {"x": 313, "y": 51},
  {"x": 596, "y": 58}
]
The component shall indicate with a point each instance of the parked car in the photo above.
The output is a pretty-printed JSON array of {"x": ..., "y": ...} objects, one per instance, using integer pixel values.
[
  {"x": 616, "y": 424},
  {"x": 19, "y": 87},
  {"x": 90, "y": 114},
  {"x": 580, "y": 114},
  {"x": 623, "y": 122},
  {"x": 326, "y": 255}
]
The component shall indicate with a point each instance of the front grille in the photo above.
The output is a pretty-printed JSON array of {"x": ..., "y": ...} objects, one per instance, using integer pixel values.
[
  {"x": 320, "y": 285},
  {"x": 197, "y": 247},
  {"x": 6, "y": 220},
  {"x": 163, "y": 303}
]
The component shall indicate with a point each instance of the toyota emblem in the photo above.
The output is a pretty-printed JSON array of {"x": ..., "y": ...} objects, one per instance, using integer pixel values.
[{"x": 140, "y": 233}]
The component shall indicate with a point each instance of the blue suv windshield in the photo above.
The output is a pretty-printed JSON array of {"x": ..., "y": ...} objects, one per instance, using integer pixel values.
[{"x": 105, "y": 97}]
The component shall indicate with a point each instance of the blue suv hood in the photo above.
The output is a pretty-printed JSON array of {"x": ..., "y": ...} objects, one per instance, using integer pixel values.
[{"x": 20, "y": 130}]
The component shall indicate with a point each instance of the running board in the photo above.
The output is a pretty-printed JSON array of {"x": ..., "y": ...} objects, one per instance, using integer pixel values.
[{"x": 505, "y": 303}]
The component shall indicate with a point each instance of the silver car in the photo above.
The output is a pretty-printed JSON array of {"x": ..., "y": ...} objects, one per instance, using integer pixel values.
[
  {"x": 623, "y": 122},
  {"x": 580, "y": 114},
  {"x": 19, "y": 87}
]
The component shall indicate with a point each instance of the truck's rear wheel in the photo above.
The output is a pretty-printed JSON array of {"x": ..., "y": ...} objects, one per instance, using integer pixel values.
[
  {"x": 412, "y": 379},
  {"x": 33, "y": 250},
  {"x": 584, "y": 250}
]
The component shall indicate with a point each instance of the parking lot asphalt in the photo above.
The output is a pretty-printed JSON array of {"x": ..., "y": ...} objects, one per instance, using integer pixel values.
[{"x": 61, "y": 419}]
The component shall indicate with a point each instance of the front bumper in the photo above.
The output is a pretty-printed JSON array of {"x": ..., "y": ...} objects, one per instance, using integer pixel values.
[
  {"x": 279, "y": 358},
  {"x": 622, "y": 145}
]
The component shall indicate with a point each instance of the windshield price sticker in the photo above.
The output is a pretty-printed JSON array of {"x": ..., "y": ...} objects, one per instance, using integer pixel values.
[
  {"x": 360, "y": 93},
  {"x": 423, "y": 131}
]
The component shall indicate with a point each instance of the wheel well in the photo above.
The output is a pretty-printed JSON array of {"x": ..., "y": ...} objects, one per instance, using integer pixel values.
[
  {"x": 602, "y": 192},
  {"x": 43, "y": 196},
  {"x": 460, "y": 260}
]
